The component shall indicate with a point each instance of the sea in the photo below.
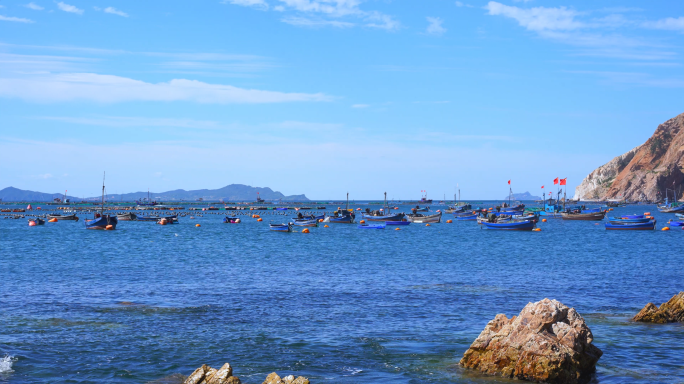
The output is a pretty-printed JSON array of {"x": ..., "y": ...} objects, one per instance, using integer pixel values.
[{"x": 145, "y": 303}]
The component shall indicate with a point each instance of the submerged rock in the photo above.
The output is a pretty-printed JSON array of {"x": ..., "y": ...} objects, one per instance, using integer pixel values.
[
  {"x": 273, "y": 378},
  {"x": 208, "y": 375},
  {"x": 670, "y": 312},
  {"x": 546, "y": 342}
]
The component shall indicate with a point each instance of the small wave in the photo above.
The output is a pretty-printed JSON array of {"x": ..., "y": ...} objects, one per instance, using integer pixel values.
[{"x": 6, "y": 364}]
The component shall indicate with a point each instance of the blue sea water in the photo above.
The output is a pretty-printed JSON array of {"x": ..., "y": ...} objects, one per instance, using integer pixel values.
[{"x": 338, "y": 305}]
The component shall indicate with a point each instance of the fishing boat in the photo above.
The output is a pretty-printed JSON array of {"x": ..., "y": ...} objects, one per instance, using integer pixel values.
[
  {"x": 231, "y": 220},
  {"x": 102, "y": 221},
  {"x": 650, "y": 225},
  {"x": 287, "y": 227},
  {"x": 62, "y": 217},
  {"x": 397, "y": 222},
  {"x": 305, "y": 223},
  {"x": 466, "y": 217},
  {"x": 382, "y": 214},
  {"x": 673, "y": 207},
  {"x": 583, "y": 216},
  {"x": 624, "y": 219},
  {"x": 511, "y": 225},
  {"x": 371, "y": 226},
  {"x": 309, "y": 217},
  {"x": 679, "y": 215},
  {"x": 341, "y": 216},
  {"x": 676, "y": 223},
  {"x": 156, "y": 218},
  {"x": 130, "y": 216},
  {"x": 420, "y": 218},
  {"x": 36, "y": 221}
]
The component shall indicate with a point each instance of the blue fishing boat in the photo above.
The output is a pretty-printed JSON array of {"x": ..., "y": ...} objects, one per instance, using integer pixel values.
[
  {"x": 676, "y": 223},
  {"x": 397, "y": 222},
  {"x": 305, "y": 223},
  {"x": 467, "y": 217},
  {"x": 508, "y": 213},
  {"x": 309, "y": 217},
  {"x": 651, "y": 225},
  {"x": 342, "y": 216},
  {"x": 287, "y": 227},
  {"x": 618, "y": 220},
  {"x": 371, "y": 226},
  {"x": 102, "y": 221},
  {"x": 382, "y": 215},
  {"x": 36, "y": 221},
  {"x": 511, "y": 225}
]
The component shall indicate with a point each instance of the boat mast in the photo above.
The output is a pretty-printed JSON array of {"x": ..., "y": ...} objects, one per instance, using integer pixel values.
[
  {"x": 347, "y": 201},
  {"x": 385, "y": 201},
  {"x": 103, "y": 183}
]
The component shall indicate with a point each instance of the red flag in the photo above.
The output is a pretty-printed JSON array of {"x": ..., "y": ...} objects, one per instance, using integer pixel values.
[
  {"x": 542, "y": 187},
  {"x": 509, "y": 182},
  {"x": 563, "y": 181},
  {"x": 555, "y": 181}
]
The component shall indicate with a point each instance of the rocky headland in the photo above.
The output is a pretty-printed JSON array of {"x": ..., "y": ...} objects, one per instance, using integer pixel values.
[
  {"x": 670, "y": 312},
  {"x": 546, "y": 342},
  {"x": 643, "y": 173}
]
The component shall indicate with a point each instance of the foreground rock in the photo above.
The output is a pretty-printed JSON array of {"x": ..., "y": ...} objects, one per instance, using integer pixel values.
[
  {"x": 547, "y": 342},
  {"x": 670, "y": 312},
  {"x": 208, "y": 375}
]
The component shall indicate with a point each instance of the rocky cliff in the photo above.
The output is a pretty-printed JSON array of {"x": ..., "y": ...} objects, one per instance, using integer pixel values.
[{"x": 644, "y": 172}]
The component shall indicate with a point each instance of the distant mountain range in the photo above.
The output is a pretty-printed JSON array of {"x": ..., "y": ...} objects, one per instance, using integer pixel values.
[
  {"x": 524, "y": 196},
  {"x": 233, "y": 192}
]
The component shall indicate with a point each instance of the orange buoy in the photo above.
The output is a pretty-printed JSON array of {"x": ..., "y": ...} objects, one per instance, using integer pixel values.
[
  {"x": 427, "y": 225},
  {"x": 449, "y": 221},
  {"x": 650, "y": 217},
  {"x": 397, "y": 229},
  {"x": 647, "y": 213},
  {"x": 109, "y": 227},
  {"x": 305, "y": 230},
  {"x": 53, "y": 220},
  {"x": 32, "y": 223},
  {"x": 320, "y": 220},
  {"x": 666, "y": 229},
  {"x": 260, "y": 219},
  {"x": 197, "y": 225},
  {"x": 237, "y": 221},
  {"x": 162, "y": 222},
  {"x": 358, "y": 209},
  {"x": 326, "y": 226},
  {"x": 362, "y": 222},
  {"x": 537, "y": 229},
  {"x": 543, "y": 220}
]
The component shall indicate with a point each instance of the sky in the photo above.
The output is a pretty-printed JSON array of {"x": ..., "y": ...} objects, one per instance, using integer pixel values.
[{"x": 325, "y": 97}]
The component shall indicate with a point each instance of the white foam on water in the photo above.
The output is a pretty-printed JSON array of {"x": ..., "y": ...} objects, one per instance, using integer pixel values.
[{"x": 6, "y": 364}]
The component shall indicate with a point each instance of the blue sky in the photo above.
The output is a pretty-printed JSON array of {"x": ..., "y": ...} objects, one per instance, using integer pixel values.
[{"x": 328, "y": 96}]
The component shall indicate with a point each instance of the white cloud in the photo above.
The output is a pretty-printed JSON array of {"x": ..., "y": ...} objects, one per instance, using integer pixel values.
[
  {"x": 15, "y": 19},
  {"x": 538, "y": 18},
  {"x": 259, "y": 4},
  {"x": 306, "y": 22},
  {"x": 461, "y": 4},
  {"x": 115, "y": 11},
  {"x": 360, "y": 106},
  {"x": 670, "y": 24},
  {"x": 112, "y": 89},
  {"x": 33, "y": 6},
  {"x": 435, "y": 26},
  {"x": 69, "y": 8},
  {"x": 279, "y": 8}
]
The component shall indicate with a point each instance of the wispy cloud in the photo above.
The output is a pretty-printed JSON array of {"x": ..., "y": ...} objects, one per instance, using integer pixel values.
[
  {"x": 259, "y": 4},
  {"x": 435, "y": 26},
  {"x": 69, "y": 8},
  {"x": 128, "y": 122},
  {"x": 115, "y": 11},
  {"x": 15, "y": 19},
  {"x": 33, "y": 6},
  {"x": 113, "y": 89},
  {"x": 670, "y": 23},
  {"x": 360, "y": 105},
  {"x": 461, "y": 4},
  {"x": 635, "y": 78},
  {"x": 325, "y": 13},
  {"x": 538, "y": 18},
  {"x": 315, "y": 23}
]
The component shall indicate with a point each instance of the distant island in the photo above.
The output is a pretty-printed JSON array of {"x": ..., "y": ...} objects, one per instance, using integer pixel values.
[
  {"x": 233, "y": 192},
  {"x": 524, "y": 196}
]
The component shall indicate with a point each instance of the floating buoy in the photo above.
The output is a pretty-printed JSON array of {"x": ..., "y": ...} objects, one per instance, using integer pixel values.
[
  {"x": 32, "y": 223},
  {"x": 260, "y": 219},
  {"x": 197, "y": 225},
  {"x": 665, "y": 229},
  {"x": 650, "y": 217},
  {"x": 449, "y": 221},
  {"x": 53, "y": 220},
  {"x": 326, "y": 226},
  {"x": 109, "y": 227},
  {"x": 537, "y": 229},
  {"x": 427, "y": 225},
  {"x": 647, "y": 213},
  {"x": 358, "y": 209},
  {"x": 543, "y": 220},
  {"x": 397, "y": 229},
  {"x": 362, "y": 222},
  {"x": 320, "y": 220},
  {"x": 305, "y": 230},
  {"x": 162, "y": 222}
]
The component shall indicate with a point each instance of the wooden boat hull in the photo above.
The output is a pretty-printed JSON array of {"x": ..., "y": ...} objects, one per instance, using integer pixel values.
[
  {"x": 470, "y": 217},
  {"x": 510, "y": 226},
  {"x": 372, "y": 226},
  {"x": 280, "y": 227},
  {"x": 631, "y": 226},
  {"x": 305, "y": 223},
  {"x": 395, "y": 217},
  {"x": 341, "y": 220},
  {"x": 619, "y": 220},
  {"x": 423, "y": 218},
  {"x": 63, "y": 217},
  {"x": 101, "y": 222},
  {"x": 397, "y": 222},
  {"x": 584, "y": 216},
  {"x": 676, "y": 209},
  {"x": 127, "y": 217}
]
